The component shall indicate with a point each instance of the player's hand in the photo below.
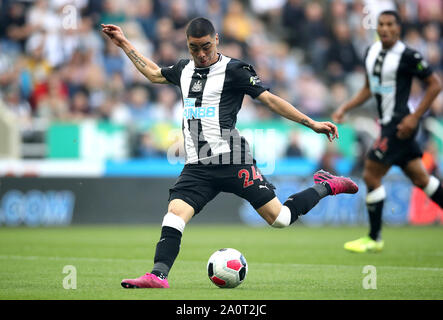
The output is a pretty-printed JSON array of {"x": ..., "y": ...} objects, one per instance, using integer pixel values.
[
  {"x": 338, "y": 115},
  {"x": 115, "y": 33},
  {"x": 328, "y": 128},
  {"x": 407, "y": 126}
]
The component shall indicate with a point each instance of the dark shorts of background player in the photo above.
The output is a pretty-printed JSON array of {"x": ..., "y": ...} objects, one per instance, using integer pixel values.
[
  {"x": 390, "y": 150},
  {"x": 198, "y": 184}
]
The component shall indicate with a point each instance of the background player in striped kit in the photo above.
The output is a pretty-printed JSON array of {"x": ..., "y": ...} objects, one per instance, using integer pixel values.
[
  {"x": 217, "y": 157},
  {"x": 390, "y": 66}
]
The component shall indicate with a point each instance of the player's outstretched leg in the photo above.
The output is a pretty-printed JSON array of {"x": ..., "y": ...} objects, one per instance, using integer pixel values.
[
  {"x": 336, "y": 184},
  {"x": 302, "y": 202}
]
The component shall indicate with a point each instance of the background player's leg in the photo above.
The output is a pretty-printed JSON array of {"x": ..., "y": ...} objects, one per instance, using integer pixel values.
[
  {"x": 179, "y": 214},
  {"x": 372, "y": 175},
  {"x": 415, "y": 170}
]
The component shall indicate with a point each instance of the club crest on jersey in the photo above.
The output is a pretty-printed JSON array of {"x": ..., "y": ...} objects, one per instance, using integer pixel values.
[{"x": 197, "y": 86}]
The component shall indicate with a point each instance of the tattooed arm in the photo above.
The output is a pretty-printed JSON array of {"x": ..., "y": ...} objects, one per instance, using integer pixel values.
[
  {"x": 287, "y": 110},
  {"x": 147, "y": 67}
]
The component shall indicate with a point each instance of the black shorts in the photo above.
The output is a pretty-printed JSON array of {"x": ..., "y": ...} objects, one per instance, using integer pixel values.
[
  {"x": 390, "y": 150},
  {"x": 198, "y": 184}
]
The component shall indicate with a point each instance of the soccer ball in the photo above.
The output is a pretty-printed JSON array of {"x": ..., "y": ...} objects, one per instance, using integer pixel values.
[{"x": 227, "y": 268}]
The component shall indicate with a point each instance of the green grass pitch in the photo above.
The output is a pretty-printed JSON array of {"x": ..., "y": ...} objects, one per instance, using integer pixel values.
[{"x": 285, "y": 264}]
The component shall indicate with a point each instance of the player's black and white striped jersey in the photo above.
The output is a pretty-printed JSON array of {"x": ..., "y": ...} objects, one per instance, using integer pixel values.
[
  {"x": 390, "y": 74},
  {"x": 212, "y": 98}
]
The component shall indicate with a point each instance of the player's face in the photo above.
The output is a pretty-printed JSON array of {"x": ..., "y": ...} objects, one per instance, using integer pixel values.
[
  {"x": 203, "y": 50},
  {"x": 388, "y": 30}
]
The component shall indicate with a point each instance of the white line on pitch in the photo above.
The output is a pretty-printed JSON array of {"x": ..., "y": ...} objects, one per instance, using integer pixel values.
[{"x": 16, "y": 257}]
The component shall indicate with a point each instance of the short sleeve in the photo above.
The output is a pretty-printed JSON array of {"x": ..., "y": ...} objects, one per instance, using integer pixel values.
[
  {"x": 173, "y": 73},
  {"x": 417, "y": 65},
  {"x": 245, "y": 79}
]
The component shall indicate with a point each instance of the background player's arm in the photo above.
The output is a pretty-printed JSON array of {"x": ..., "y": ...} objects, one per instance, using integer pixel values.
[
  {"x": 362, "y": 96},
  {"x": 147, "y": 67},
  {"x": 409, "y": 123},
  {"x": 287, "y": 110}
]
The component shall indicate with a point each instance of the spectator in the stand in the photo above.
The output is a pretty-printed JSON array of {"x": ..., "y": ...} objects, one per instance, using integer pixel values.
[
  {"x": 146, "y": 18},
  {"x": 54, "y": 104},
  {"x": 236, "y": 24},
  {"x": 430, "y": 10},
  {"x": 434, "y": 46},
  {"x": 293, "y": 18},
  {"x": 75, "y": 72},
  {"x": 13, "y": 28},
  {"x": 164, "y": 31},
  {"x": 178, "y": 14},
  {"x": 328, "y": 160},
  {"x": 311, "y": 94},
  {"x": 80, "y": 108},
  {"x": 147, "y": 148},
  {"x": 166, "y": 105},
  {"x": 140, "y": 106},
  {"x": 414, "y": 40},
  {"x": 284, "y": 65},
  {"x": 293, "y": 149},
  {"x": 342, "y": 57},
  {"x": 338, "y": 94},
  {"x": 166, "y": 54},
  {"x": 113, "y": 61},
  {"x": 19, "y": 107},
  {"x": 114, "y": 110},
  {"x": 112, "y": 12},
  {"x": 338, "y": 11},
  {"x": 315, "y": 34}
]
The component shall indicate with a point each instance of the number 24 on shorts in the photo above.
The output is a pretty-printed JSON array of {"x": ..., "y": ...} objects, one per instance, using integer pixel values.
[{"x": 255, "y": 175}]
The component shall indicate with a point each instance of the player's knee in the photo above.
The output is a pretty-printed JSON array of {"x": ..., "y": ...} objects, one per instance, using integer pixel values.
[
  {"x": 282, "y": 220},
  {"x": 371, "y": 181},
  {"x": 181, "y": 209},
  {"x": 174, "y": 221}
]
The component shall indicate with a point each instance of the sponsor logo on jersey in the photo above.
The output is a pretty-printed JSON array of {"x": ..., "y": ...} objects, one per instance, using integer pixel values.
[
  {"x": 376, "y": 87},
  {"x": 190, "y": 111},
  {"x": 254, "y": 80}
]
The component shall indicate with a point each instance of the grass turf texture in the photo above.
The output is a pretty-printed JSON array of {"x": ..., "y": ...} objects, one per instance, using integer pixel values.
[{"x": 293, "y": 263}]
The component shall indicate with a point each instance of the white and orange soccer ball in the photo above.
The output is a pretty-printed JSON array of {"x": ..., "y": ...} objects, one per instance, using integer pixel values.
[{"x": 227, "y": 268}]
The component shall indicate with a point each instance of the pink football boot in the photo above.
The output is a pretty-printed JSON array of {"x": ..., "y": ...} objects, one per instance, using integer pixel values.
[
  {"x": 148, "y": 280},
  {"x": 337, "y": 184}
]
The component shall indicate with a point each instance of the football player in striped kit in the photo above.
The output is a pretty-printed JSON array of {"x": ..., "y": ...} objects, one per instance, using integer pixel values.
[
  {"x": 218, "y": 159},
  {"x": 390, "y": 67}
]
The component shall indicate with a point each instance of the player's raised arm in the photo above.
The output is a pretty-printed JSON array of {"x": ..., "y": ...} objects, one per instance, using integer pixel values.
[
  {"x": 361, "y": 96},
  {"x": 147, "y": 67},
  {"x": 287, "y": 110}
]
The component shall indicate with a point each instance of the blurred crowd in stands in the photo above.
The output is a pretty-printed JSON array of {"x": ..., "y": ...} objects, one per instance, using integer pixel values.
[{"x": 56, "y": 65}]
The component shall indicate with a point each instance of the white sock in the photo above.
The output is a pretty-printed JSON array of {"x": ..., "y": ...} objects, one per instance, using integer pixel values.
[
  {"x": 283, "y": 219},
  {"x": 174, "y": 221},
  {"x": 432, "y": 186}
]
